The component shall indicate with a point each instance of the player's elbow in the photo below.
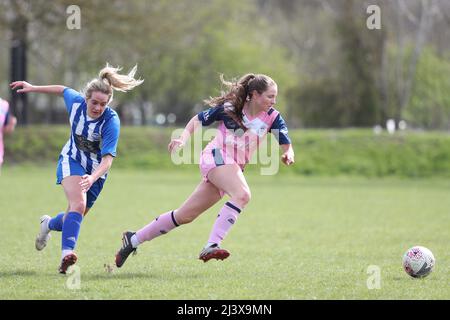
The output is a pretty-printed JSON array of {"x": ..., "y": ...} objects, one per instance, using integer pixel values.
[{"x": 107, "y": 160}]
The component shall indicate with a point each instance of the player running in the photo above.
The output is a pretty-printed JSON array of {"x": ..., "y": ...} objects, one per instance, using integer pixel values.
[
  {"x": 88, "y": 154},
  {"x": 245, "y": 115}
]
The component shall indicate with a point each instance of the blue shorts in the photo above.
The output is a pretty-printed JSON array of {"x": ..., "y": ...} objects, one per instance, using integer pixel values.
[{"x": 70, "y": 167}]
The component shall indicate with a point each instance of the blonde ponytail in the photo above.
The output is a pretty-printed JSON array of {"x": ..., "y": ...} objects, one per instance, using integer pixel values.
[
  {"x": 109, "y": 79},
  {"x": 118, "y": 81}
]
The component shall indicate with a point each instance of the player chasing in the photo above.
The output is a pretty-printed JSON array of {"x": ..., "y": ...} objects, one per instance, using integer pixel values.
[
  {"x": 88, "y": 154},
  {"x": 245, "y": 114}
]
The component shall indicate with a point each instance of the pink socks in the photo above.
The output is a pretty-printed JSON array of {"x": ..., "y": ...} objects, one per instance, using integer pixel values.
[
  {"x": 225, "y": 220},
  {"x": 161, "y": 225}
]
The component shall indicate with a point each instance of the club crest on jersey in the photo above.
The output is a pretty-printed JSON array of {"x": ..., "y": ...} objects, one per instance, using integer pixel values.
[
  {"x": 262, "y": 131},
  {"x": 257, "y": 126},
  {"x": 96, "y": 136}
]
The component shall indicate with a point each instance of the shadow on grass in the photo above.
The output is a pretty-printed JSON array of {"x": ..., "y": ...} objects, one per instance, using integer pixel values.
[
  {"x": 115, "y": 275},
  {"x": 121, "y": 276},
  {"x": 136, "y": 275},
  {"x": 18, "y": 273}
]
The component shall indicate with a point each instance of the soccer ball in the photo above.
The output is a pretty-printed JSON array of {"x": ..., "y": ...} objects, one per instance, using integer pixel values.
[{"x": 418, "y": 262}]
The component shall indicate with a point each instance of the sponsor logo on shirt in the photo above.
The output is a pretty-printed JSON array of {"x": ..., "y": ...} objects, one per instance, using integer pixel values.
[{"x": 83, "y": 144}]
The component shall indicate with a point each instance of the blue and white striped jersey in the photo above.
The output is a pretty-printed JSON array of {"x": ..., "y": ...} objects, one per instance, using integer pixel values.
[{"x": 90, "y": 139}]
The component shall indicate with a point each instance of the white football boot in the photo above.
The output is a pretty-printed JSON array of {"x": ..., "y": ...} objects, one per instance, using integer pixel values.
[{"x": 44, "y": 234}]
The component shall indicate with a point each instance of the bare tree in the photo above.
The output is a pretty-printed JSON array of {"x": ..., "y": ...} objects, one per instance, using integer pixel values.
[{"x": 423, "y": 24}]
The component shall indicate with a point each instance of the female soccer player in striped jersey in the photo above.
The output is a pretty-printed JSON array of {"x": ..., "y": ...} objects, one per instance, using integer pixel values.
[
  {"x": 88, "y": 154},
  {"x": 245, "y": 115}
]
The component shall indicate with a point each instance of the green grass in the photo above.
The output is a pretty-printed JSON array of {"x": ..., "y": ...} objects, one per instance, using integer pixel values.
[{"x": 299, "y": 238}]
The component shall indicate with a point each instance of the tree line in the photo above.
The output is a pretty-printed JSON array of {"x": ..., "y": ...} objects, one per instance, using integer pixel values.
[{"x": 332, "y": 70}]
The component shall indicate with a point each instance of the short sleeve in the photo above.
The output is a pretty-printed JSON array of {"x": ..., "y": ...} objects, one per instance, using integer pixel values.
[
  {"x": 71, "y": 96},
  {"x": 280, "y": 130},
  {"x": 110, "y": 136},
  {"x": 211, "y": 115}
]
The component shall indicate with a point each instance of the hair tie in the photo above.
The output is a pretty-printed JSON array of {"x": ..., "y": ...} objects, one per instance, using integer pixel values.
[{"x": 106, "y": 81}]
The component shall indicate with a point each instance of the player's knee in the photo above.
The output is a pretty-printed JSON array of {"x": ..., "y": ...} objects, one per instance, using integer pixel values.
[
  {"x": 77, "y": 206},
  {"x": 242, "y": 198}
]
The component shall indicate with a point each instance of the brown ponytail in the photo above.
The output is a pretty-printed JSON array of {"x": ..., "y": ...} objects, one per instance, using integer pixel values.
[{"x": 239, "y": 92}]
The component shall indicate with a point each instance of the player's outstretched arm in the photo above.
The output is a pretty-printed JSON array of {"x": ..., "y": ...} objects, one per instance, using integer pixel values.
[
  {"x": 25, "y": 87},
  {"x": 192, "y": 125}
]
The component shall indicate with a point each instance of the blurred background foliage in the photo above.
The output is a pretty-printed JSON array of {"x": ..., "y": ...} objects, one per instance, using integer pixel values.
[{"x": 332, "y": 71}]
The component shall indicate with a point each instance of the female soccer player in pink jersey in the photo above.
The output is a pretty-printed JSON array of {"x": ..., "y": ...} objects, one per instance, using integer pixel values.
[
  {"x": 7, "y": 124},
  {"x": 245, "y": 115}
]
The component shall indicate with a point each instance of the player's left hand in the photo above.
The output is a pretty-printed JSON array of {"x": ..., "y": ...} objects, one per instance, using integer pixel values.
[
  {"x": 288, "y": 158},
  {"x": 86, "y": 182}
]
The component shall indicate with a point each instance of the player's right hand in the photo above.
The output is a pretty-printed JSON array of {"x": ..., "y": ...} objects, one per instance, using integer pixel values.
[
  {"x": 175, "y": 144},
  {"x": 26, "y": 87}
]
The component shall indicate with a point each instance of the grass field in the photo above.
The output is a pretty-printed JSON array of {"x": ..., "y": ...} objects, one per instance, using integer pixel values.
[{"x": 299, "y": 238}]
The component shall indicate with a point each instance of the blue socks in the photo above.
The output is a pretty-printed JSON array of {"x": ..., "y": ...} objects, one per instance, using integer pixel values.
[
  {"x": 71, "y": 230},
  {"x": 56, "y": 223}
]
